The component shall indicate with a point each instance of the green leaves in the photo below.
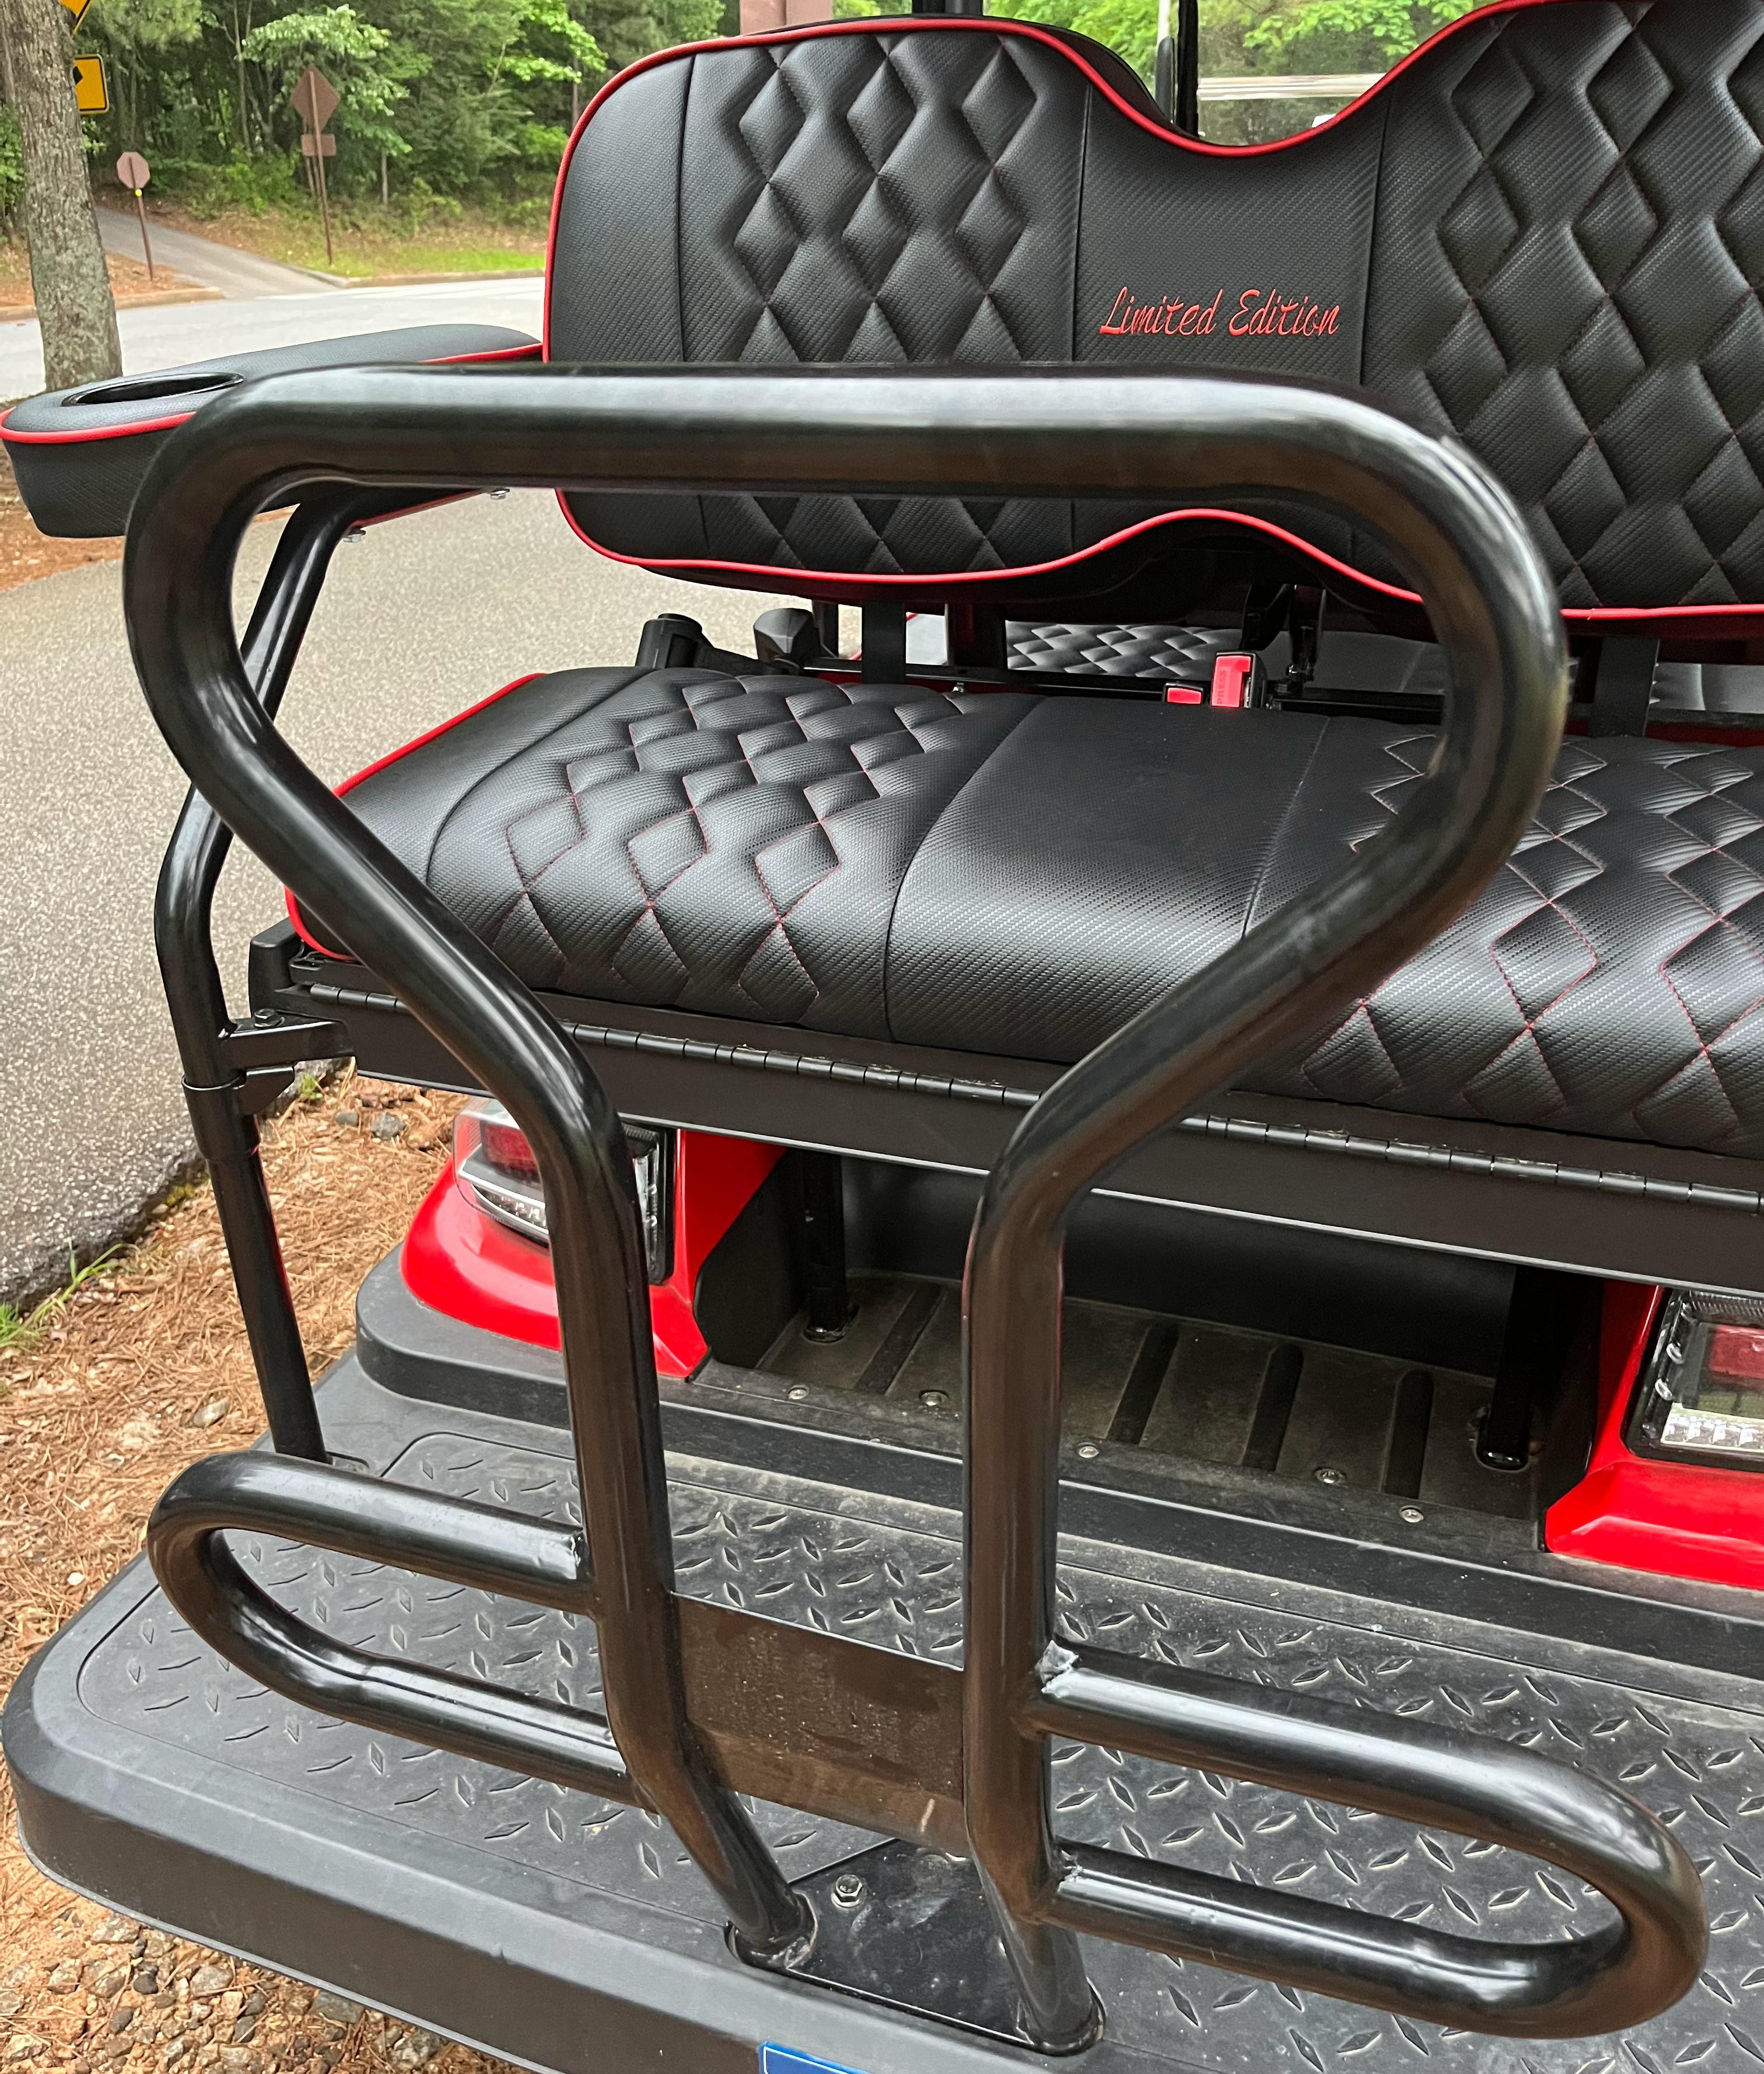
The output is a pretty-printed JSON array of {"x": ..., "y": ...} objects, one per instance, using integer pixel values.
[
  {"x": 1380, "y": 31},
  {"x": 1239, "y": 36}
]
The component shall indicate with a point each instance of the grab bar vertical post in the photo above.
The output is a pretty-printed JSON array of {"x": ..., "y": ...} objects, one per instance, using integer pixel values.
[
  {"x": 184, "y": 538},
  {"x": 183, "y": 905},
  {"x": 1011, "y": 1500}
]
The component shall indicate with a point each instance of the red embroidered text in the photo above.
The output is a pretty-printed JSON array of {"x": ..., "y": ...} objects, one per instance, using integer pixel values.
[{"x": 1260, "y": 313}]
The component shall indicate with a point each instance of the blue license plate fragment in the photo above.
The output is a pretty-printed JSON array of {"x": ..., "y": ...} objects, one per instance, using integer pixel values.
[{"x": 785, "y": 2060}]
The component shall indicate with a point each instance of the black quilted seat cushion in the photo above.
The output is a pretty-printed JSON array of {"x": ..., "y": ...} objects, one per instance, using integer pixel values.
[
  {"x": 1544, "y": 234},
  {"x": 1163, "y": 653},
  {"x": 1003, "y": 872}
]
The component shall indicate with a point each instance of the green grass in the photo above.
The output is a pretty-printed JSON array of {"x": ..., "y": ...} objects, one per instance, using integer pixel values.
[
  {"x": 20, "y": 1330},
  {"x": 359, "y": 259},
  {"x": 362, "y": 246}
]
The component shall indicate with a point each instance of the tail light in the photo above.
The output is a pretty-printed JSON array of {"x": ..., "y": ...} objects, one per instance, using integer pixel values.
[
  {"x": 494, "y": 1169},
  {"x": 1702, "y": 1394}
]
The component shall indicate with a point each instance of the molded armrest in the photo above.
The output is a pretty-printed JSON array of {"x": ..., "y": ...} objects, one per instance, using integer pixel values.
[{"x": 79, "y": 454}]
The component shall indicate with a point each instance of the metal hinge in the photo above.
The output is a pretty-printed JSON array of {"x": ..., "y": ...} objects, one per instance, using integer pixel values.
[{"x": 264, "y": 1054}]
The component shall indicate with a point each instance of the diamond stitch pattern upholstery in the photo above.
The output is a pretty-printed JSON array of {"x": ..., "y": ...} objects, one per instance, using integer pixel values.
[
  {"x": 687, "y": 840},
  {"x": 1566, "y": 271},
  {"x": 1156, "y": 652},
  {"x": 873, "y": 199},
  {"x": 1007, "y": 873},
  {"x": 1545, "y": 235}
]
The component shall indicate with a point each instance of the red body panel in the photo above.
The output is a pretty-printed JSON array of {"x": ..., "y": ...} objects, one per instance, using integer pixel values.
[
  {"x": 467, "y": 1267},
  {"x": 1677, "y": 1519}
]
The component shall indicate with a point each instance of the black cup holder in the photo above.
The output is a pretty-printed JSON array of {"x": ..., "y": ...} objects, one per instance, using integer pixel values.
[{"x": 149, "y": 388}]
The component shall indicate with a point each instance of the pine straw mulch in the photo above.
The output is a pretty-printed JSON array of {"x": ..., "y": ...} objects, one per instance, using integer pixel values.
[
  {"x": 130, "y": 282},
  {"x": 145, "y": 1368}
]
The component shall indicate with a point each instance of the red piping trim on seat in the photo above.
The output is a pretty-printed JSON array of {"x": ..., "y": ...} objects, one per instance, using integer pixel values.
[
  {"x": 499, "y": 352},
  {"x": 1590, "y": 616},
  {"x": 90, "y": 432},
  {"x": 940, "y": 580},
  {"x": 80, "y": 435},
  {"x": 384, "y": 762}
]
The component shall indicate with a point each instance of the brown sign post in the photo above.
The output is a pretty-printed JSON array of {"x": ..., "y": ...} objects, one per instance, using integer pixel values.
[
  {"x": 315, "y": 101},
  {"x": 134, "y": 172}
]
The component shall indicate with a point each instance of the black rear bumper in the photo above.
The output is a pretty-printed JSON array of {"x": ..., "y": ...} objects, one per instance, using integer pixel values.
[{"x": 565, "y": 1933}]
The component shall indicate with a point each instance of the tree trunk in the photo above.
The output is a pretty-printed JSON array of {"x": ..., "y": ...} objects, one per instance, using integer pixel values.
[{"x": 67, "y": 276}]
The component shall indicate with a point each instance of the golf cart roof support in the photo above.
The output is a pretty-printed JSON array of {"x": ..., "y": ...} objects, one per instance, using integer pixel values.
[{"x": 980, "y": 435}]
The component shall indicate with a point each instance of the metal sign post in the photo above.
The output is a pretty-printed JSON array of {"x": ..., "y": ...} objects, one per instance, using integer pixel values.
[
  {"x": 134, "y": 172},
  {"x": 314, "y": 100}
]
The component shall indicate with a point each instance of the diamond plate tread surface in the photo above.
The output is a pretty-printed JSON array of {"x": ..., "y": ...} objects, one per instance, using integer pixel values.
[{"x": 888, "y": 1573}]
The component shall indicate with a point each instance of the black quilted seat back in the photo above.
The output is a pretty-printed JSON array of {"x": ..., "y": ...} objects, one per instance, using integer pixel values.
[{"x": 1544, "y": 233}]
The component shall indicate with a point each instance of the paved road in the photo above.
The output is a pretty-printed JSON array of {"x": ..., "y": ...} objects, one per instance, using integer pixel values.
[
  {"x": 242, "y": 276},
  {"x": 178, "y": 333},
  {"x": 421, "y": 618}
]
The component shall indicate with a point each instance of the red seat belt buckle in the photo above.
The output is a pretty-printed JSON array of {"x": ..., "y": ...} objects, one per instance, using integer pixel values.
[
  {"x": 1182, "y": 695},
  {"x": 1234, "y": 680}
]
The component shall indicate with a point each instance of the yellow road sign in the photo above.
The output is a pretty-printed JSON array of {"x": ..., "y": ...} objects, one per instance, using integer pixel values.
[
  {"x": 91, "y": 94},
  {"x": 77, "y": 8}
]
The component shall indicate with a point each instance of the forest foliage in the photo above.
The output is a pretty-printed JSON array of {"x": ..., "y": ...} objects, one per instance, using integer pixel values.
[
  {"x": 470, "y": 100},
  {"x": 446, "y": 102},
  {"x": 1239, "y": 36}
]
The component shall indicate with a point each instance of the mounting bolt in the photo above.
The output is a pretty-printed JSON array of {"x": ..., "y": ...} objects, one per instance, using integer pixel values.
[
  {"x": 1411, "y": 1515},
  {"x": 848, "y": 1890},
  {"x": 796, "y": 1393},
  {"x": 1088, "y": 1451},
  {"x": 1332, "y": 1477},
  {"x": 934, "y": 1400}
]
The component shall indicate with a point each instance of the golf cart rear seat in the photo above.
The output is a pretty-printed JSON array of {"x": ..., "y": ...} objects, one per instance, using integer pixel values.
[
  {"x": 799, "y": 879},
  {"x": 973, "y": 870},
  {"x": 1541, "y": 232},
  {"x": 996, "y": 873}
]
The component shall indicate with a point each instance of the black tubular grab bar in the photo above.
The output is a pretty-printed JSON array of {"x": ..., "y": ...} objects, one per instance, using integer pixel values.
[
  {"x": 482, "y": 1547},
  {"x": 182, "y": 903},
  {"x": 1142, "y": 435}
]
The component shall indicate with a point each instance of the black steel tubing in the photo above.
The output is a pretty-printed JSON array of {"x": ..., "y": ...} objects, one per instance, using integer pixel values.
[
  {"x": 484, "y": 1547},
  {"x": 1457, "y": 536},
  {"x": 1441, "y": 1779},
  {"x": 1330, "y": 1950},
  {"x": 183, "y": 539},
  {"x": 183, "y": 904},
  {"x": 479, "y": 1546},
  {"x": 1134, "y": 435}
]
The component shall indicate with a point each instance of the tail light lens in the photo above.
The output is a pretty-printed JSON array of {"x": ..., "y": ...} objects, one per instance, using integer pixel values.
[
  {"x": 1702, "y": 1394},
  {"x": 494, "y": 1169}
]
